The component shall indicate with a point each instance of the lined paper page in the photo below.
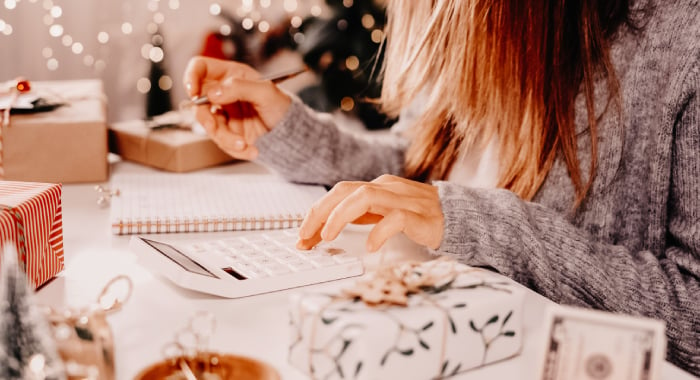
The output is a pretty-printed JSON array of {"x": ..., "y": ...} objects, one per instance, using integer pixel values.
[{"x": 165, "y": 202}]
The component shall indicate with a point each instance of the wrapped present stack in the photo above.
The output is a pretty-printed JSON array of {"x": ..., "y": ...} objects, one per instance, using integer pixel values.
[
  {"x": 31, "y": 219},
  {"x": 414, "y": 321},
  {"x": 67, "y": 143}
]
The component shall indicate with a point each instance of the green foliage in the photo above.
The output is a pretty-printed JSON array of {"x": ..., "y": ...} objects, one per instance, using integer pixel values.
[{"x": 344, "y": 51}]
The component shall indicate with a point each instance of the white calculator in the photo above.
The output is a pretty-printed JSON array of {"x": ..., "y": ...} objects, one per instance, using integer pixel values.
[{"x": 246, "y": 264}]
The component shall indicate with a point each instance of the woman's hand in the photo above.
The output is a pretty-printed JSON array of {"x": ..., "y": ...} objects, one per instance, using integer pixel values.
[
  {"x": 393, "y": 203},
  {"x": 242, "y": 108}
]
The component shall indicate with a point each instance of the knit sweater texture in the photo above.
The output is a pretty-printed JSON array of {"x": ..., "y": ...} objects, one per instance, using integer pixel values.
[{"x": 632, "y": 247}]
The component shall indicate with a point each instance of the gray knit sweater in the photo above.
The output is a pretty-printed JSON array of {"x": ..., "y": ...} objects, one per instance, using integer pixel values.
[{"x": 633, "y": 246}]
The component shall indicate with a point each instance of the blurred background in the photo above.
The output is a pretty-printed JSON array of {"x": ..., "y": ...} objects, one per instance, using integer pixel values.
[{"x": 139, "y": 48}]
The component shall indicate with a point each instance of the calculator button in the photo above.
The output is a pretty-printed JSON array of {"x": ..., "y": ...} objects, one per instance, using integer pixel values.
[
  {"x": 288, "y": 241},
  {"x": 260, "y": 273},
  {"x": 237, "y": 256},
  {"x": 233, "y": 244},
  {"x": 277, "y": 269},
  {"x": 196, "y": 248},
  {"x": 311, "y": 254},
  {"x": 301, "y": 266},
  {"x": 248, "y": 252},
  {"x": 293, "y": 233},
  {"x": 287, "y": 256},
  {"x": 252, "y": 272},
  {"x": 262, "y": 260},
  {"x": 256, "y": 240},
  {"x": 267, "y": 245},
  {"x": 324, "y": 261},
  {"x": 344, "y": 258},
  {"x": 245, "y": 266}
]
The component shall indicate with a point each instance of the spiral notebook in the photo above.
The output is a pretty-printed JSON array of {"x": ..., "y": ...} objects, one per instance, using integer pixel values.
[{"x": 164, "y": 202}]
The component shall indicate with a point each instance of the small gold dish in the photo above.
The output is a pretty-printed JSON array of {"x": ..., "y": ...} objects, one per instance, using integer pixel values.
[{"x": 220, "y": 367}]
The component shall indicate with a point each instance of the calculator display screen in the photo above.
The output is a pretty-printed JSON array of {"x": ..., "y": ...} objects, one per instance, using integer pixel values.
[{"x": 179, "y": 258}]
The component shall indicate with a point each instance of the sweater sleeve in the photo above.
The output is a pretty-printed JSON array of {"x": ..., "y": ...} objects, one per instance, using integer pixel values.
[
  {"x": 541, "y": 249},
  {"x": 308, "y": 148}
]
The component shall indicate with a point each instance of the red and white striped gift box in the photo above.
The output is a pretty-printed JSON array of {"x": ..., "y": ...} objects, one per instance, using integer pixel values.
[{"x": 31, "y": 218}]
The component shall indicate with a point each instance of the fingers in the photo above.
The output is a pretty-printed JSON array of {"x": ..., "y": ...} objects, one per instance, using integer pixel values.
[
  {"x": 264, "y": 99},
  {"x": 310, "y": 242},
  {"x": 400, "y": 182},
  {"x": 365, "y": 199},
  {"x": 227, "y": 134},
  {"x": 202, "y": 70},
  {"x": 368, "y": 219},
  {"x": 237, "y": 129},
  {"x": 236, "y": 89},
  {"x": 423, "y": 230},
  {"x": 206, "y": 119},
  {"x": 393, "y": 223},
  {"x": 395, "y": 204},
  {"x": 318, "y": 213}
]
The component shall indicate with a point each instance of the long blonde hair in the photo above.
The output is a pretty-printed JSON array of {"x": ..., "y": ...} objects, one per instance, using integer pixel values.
[{"x": 499, "y": 68}]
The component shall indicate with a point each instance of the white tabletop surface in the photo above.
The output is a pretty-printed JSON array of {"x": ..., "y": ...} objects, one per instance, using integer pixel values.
[{"x": 255, "y": 326}]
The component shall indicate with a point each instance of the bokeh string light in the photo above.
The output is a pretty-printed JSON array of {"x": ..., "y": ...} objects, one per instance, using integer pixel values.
[
  {"x": 260, "y": 16},
  {"x": 52, "y": 17},
  {"x": 152, "y": 50},
  {"x": 250, "y": 12}
]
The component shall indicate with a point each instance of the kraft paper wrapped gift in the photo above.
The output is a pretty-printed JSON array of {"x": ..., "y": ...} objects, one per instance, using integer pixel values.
[
  {"x": 68, "y": 144},
  {"x": 464, "y": 322},
  {"x": 31, "y": 219},
  {"x": 171, "y": 149}
]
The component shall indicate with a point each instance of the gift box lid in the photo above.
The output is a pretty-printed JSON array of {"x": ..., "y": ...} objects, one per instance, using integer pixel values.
[
  {"x": 14, "y": 193},
  {"x": 67, "y": 144},
  {"x": 167, "y": 136},
  {"x": 83, "y": 101},
  {"x": 172, "y": 149}
]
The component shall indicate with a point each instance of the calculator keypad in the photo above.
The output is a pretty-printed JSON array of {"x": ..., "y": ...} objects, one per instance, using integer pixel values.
[{"x": 271, "y": 254}]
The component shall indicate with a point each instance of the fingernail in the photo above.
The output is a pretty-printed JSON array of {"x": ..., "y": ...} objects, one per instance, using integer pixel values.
[
  {"x": 303, "y": 245},
  {"x": 239, "y": 145},
  {"x": 227, "y": 82},
  {"x": 188, "y": 86},
  {"x": 218, "y": 92}
]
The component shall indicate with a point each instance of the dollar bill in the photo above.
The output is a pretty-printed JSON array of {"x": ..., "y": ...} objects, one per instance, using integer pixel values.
[{"x": 583, "y": 344}]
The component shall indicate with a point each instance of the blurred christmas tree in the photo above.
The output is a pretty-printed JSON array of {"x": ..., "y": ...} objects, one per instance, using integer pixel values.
[
  {"x": 26, "y": 348},
  {"x": 343, "y": 51},
  {"x": 158, "y": 99}
]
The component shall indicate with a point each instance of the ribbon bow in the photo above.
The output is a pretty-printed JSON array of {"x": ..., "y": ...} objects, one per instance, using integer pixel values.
[{"x": 391, "y": 285}]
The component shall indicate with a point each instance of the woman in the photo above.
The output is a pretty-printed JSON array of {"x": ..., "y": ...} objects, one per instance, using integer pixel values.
[{"x": 560, "y": 140}]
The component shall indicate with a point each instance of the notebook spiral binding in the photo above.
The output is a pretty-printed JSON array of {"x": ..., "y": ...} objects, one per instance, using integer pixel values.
[
  {"x": 126, "y": 227},
  {"x": 167, "y": 203}
]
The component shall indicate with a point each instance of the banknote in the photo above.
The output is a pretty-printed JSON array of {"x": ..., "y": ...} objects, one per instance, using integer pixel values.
[{"x": 581, "y": 344}]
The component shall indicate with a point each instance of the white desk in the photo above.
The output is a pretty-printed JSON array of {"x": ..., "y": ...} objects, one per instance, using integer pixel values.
[{"x": 255, "y": 326}]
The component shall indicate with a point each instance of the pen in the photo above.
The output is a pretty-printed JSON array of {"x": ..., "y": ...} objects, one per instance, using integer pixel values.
[{"x": 274, "y": 78}]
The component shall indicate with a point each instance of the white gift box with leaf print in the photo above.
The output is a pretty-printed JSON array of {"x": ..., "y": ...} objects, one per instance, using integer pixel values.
[{"x": 467, "y": 323}]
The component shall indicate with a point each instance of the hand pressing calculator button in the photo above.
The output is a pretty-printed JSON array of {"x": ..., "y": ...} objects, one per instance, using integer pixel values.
[{"x": 247, "y": 264}]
